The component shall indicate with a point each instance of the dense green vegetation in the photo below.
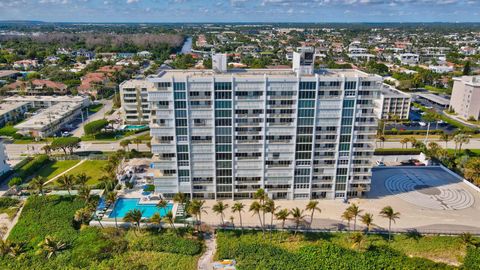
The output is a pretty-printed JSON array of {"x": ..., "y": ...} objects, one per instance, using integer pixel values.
[
  {"x": 9, "y": 206},
  {"x": 336, "y": 251},
  {"x": 84, "y": 247},
  {"x": 396, "y": 151},
  {"x": 95, "y": 127},
  {"x": 32, "y": 166},
  {"x": 7, "y": 130}
]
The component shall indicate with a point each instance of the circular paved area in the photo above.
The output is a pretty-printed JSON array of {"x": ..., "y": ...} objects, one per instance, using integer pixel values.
[{"x": 429, "y": 191}]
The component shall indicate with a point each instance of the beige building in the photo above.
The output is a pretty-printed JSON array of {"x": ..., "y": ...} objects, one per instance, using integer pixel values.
[
  {"x": 135, "y": 108},
  {"x": 392, "y": 102},
  {"x": 465, "y": 99}
]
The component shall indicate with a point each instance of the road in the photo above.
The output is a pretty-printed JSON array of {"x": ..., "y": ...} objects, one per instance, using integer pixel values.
[{"x": 107, "y": 106}]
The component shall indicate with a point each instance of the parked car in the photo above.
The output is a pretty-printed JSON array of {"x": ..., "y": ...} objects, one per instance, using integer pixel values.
[
  {"x": 423, "y": 124},
  {"x": 380, "y": 163}
]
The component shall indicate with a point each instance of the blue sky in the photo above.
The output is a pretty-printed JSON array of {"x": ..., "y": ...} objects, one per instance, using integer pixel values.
[{"x": 242, "y": 10}]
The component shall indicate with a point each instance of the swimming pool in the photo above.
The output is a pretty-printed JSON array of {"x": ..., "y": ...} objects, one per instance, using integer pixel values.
[
  {"x": 123, "y": 205},
  {"x": 135, "y": 127}
]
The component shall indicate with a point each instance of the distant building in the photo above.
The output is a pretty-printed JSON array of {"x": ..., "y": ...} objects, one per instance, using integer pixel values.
[
  {"x": 4, "y": 167},
  {"x": 441, "y": 69},
  {"x": 135, "y": 106},
  {"x": 408, "y": 58},
  {"x": 49, "y": 101},
  {"x": 91, "y": 82},
  {"x": 25, "y": 64},
  {"x": 37, "y": 87},
  {"x": 12, "y": 111},
  {"x": 465, "y": 99},
  {"x": 392, "y": 102}
]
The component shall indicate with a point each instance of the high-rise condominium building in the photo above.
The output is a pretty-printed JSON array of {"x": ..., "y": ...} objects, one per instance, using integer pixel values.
[
  {"x": 465, "y": 99},
  {"x": 297, "y": 133}
]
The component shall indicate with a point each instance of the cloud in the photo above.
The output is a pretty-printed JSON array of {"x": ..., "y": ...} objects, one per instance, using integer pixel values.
[{"x": 132, "y": 1}]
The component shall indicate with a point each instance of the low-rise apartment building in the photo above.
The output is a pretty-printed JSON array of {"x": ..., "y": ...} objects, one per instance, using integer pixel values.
[
  {"x": 392, "y": 103},
  {"x": 465, "y": 100},
  {"x": 49, "y": 101},
  {"x": 12, "y": 111}
]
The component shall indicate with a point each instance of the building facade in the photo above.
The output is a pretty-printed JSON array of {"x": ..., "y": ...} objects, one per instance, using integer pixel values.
[
  {"x": 392, "y": 104},
  {"x": 465, "y": 100},
  {"x": 297, "y": 134},
  {"x": 135, "y": 107}
]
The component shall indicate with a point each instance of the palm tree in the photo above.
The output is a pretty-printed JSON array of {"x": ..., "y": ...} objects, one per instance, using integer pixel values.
[
  {"x": 412, "y": 141},
  {"x": 312, "y": 206},
  {"x": 256, "y": 207},
  {"x": 169, "y": 217},
  {"x": 271, "y": 208},
  {"x": 107, "y": 183},
  {"x": 387, "y": 212},
  {"x": 110, "y": 198},
  {"x": 382, "y": 140},
  {"x": 354, "y": 211},
  {"x": 357, "y": 240},
  {"x": 47, "y": 148},
  {"x": 134, "y": 217},
  {"x": 467, "y": 239},
  {"x": 15, "y": 250},
  {"x": 157, "y": 219},
  {"x": 347, "y": 215},
  {"x": 162, "y": 204},
  {"x": 445, "y": 138},
  {"x": 220, "y": 208},
  {"x": 51, "y": 247},
  {"x": 460, "y": 139},
  {"x": 84, "y": 193},
  {"x": 137, "y": 141},
  {"x": 367, "y": 220},
  {"x": 404, "y": 141},
  {"x": 282, "y": 215},
  {"x": 298, "y": 217},
  {"x": 262, "y": 196},
  {"x": 181, "y": 198},
  {"x": 37, "y": 183},
  {"x": 238, "y": 207},
  {"x": 5, "y": 246},
  {"x": 66, "y": 181},
  {"x": 83, "y": 215},
  {"x": 124, "y": 144},
  {"x": 196, "y": 208},
  {"x": 82, "y": 179}
]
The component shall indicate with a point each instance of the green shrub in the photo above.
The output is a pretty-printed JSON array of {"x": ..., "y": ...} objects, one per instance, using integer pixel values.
[
  {"x": 8, "y": 130},
  {"x": 396, "y": 151},
  {"x": 149, "y": 260},
  {"x": 167, "y": 243},
  {"x": 472, "y": 259},
  {"x": 95, "y": 127},
  {"x": 6, "y": 202},
  {"x": 149, "y": 188},
  {"x": 15, "y": 181}
]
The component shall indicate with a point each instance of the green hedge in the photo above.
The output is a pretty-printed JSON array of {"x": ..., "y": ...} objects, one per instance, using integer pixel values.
[
  {"x": 7, "y": 130},
  {"x": 95, "y": 126},
  {"x": 149, "y": 260},
  {"x": 167, "y": 243},
  {"x": 321, "y": 255},
  {"x": 33, "y": 165},
  {"x": 6, "y": 202},
  {"x": 414, "y": 132},
  {"x": 396, "y": 151}
]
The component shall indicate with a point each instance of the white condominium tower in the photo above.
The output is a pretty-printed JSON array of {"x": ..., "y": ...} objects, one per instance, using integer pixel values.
[{"x": 297, "y": 133}]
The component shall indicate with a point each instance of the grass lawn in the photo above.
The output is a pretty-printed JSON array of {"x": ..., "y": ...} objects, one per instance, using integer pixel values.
[
  {"x": 55, "y": 168},
  {"x": 418, "y": 137},
  {"x": 7, "y": 131},
  {"x": 92, "y": 247},
  {"x": 95, "y": 108},
  {"x": 92, "y": 168},
  {"x": 283, "y": 250}
]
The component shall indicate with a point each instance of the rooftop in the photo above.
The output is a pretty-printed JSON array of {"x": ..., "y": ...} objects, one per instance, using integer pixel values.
[
  {"x": 47, "y": 98},
  {"x": 390, "y": 91},
  {"x": 49, "y": 115},
  {"x": 437, "y": 99},
  {"x": 254, "y": 73},
  {"x": 8, "y": 73},
  {"x": 471, "y": 80},
  {"x": 9, "y": 106}
]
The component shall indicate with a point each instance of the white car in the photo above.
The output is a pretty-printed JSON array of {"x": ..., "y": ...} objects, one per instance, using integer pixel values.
[
  {"x": 423, "y": 124},
  {"x": 380, "y": 163}
]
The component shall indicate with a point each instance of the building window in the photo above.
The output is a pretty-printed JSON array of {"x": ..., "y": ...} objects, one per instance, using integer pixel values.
[
  {"x": 179, "y": 86},
  {"x": 223, "y": 86}
]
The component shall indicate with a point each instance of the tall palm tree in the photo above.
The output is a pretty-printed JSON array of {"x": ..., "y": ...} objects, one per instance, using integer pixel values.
[
  {"x": 404, "y": 141},
  {"x": 238, "y": 207},
  {"x": 282, "y": 215},
  {"x": 347, "y": 215},
  {"x": 37, "y": 183},
  {"x": 357, "y": 240},
  {"x": 169, "y": 217},
  {"x": 84, "y": 193},
  {"x": 387, "y": 212},
  {"x": 137, "y": 141},
  {"x": 162, "y": 204},
  {"x": 367, "y": 220},
  {"x": 261, "y": 196},
  {"x": 446, "y": 138},
  {"x": 182, "y": 199},
  {"x": 157, "y": 219},
  {"x": 124, "y": 144},
  {"x": 461, "y": 139},
  {"x": 196, "y": 208},
  {"x": 271, "y": 209},
  {"x": 82, "y": 179},
  {"x": 354, "y": 211},
  {"x": 256, "y": 207},
  {"x": 51, "y": 247},
  {"x": 110, "y": 198},
  {"x": 107, "y": 183},
  {"x": 220, "y": 208},
  {"x": 66, "y": 181},
  {"x": 312, "y": 206},
  {"x": 134, "y": 217},
  {"x": 298, "y": 217},
  {"x": 412, "y": 141},
  {"x": 467, "y": 239}
]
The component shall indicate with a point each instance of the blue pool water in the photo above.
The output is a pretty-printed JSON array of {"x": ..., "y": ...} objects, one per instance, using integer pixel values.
[
  {"x": 123, "y": 205},
  {"x": 135, "y": 127}
]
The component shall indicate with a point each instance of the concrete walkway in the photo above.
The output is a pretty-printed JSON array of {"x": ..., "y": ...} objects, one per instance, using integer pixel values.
[
  {"x": 206, "y": 260},
  {"x": 13, "y": 222},
  {"x": 71, "y": 168}
]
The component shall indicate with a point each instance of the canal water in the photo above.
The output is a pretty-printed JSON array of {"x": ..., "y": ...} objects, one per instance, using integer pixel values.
[{"x": 187, "y": 46}]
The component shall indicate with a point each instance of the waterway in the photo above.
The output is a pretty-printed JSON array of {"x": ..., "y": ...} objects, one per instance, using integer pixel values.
[{"x": 187, "y": 46}]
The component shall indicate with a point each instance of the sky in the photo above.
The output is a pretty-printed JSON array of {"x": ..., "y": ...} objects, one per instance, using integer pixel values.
[{"x": 241, "y": 10}]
